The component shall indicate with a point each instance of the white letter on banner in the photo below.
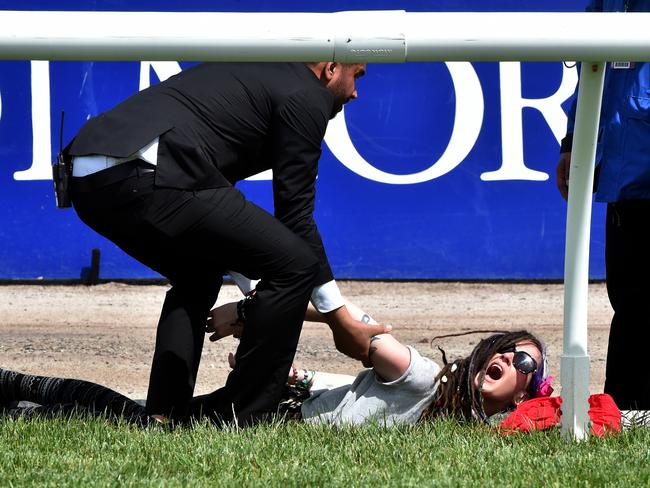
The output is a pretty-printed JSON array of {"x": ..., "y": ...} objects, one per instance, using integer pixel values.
[
  {"x": 468, "y": 120},
  {"x": 41, "y": 166},
  {"x": 513, "y": 166}
]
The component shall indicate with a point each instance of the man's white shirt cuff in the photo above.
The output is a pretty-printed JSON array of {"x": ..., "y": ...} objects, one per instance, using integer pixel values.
[{"x": 327, "y": 297}]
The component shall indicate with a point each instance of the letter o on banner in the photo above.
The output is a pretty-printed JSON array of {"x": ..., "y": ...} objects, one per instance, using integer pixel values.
[{"x": 468, "y": 120}]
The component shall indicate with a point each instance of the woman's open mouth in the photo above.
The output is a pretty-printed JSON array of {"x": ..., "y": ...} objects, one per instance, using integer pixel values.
[{"x": 494, "y": 372}]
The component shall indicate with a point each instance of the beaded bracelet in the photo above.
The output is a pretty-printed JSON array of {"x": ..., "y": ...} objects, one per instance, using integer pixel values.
[{"x": 307, "y": 379}]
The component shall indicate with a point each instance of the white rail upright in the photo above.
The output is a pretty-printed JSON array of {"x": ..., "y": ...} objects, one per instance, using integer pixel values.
[
  {"x": 387, "y": 37},
  {"x": 575, "y": 360}
]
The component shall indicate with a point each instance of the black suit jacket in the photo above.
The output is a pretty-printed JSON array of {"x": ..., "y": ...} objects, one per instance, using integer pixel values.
[{"x": 219, "y": 123}]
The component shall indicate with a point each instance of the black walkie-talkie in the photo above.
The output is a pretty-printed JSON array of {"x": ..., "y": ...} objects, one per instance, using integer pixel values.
[{"x": 61, "y": 175}]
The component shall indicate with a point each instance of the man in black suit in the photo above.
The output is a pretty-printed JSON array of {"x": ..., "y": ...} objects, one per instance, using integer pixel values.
[{"x": 155, "y": 175}]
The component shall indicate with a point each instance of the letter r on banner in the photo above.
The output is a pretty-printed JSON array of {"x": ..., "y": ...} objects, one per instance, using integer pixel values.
[{"x": 513, "y": 166}]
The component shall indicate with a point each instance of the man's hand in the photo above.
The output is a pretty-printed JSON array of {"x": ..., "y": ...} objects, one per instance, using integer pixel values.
[
  {"x": 562, "y": 174},
  {"x": 223, "y": 322},
  {"x": 352, "y": 337}
]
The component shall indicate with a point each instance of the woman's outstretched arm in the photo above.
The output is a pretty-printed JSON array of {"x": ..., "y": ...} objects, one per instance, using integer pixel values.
[{"x": 389, "y": 357}]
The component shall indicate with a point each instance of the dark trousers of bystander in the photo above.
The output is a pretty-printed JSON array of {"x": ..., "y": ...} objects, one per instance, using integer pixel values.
[
  {"x": 191, "y": 238},
  {"x": 627, "y": 257}
]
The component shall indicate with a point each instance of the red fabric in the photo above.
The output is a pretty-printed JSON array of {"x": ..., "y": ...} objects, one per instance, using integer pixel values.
[
  {"x": 544, "y": 412},
  {"x": 537, "y": 414},
  {"x": 604, "y": 414}
]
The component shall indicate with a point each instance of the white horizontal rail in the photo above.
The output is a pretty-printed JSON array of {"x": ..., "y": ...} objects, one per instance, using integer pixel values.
[{"x": 370, "y": 36}]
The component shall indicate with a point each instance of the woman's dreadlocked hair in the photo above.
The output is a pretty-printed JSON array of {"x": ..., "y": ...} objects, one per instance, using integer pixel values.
[{"x": 457, "y": 395}]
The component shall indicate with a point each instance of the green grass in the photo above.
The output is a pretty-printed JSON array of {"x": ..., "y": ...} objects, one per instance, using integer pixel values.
[{"x": 82, "y": 452}]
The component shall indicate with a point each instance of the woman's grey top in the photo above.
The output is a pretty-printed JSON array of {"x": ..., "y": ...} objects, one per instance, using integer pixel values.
[{"x": 369, "y": 399}]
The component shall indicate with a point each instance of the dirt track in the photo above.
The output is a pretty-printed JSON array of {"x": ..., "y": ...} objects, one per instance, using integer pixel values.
[{"x": 106, "y": 333}]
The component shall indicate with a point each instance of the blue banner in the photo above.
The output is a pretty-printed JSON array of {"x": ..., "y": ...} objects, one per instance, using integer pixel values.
[{"x": 437, "y": 171}]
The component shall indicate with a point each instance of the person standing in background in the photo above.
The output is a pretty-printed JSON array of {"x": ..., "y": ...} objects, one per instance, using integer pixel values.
[{"x": 622, "y": 181}]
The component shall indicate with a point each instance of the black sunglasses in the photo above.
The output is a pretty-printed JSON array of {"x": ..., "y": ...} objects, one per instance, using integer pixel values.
[{"x": 522, "y": 361}]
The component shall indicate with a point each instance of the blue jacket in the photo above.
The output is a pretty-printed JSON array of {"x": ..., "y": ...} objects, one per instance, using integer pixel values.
[{"x": 624, "y": 139}]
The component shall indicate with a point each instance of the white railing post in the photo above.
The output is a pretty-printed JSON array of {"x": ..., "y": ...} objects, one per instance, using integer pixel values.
[{"x": 575, "y": 360}]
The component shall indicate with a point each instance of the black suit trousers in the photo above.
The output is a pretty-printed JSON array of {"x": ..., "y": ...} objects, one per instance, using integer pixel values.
[
  {"x": 192, "y": 237},
  {"x": 627, "y": 257}
]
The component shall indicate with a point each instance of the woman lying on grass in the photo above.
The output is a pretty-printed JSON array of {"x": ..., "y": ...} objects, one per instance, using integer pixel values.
[
  {"x": 503, "y": 370},
  {"x": 402, "y": 386}
]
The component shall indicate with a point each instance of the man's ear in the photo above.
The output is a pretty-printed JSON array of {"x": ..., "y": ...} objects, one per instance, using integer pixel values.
[{"x": 330, "y": 70}]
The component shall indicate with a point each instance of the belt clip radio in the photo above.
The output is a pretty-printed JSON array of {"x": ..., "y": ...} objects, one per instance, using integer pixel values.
[{"x": 61, "y": 176}]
